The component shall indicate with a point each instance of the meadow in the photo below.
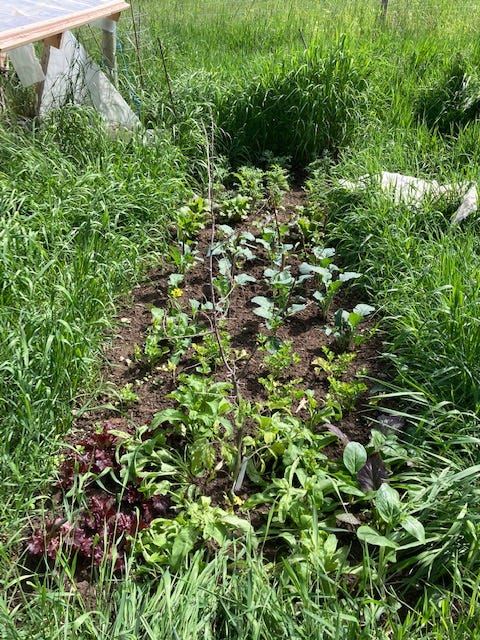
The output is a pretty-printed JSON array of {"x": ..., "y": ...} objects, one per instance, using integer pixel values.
[{"x": 243, "y": 97}]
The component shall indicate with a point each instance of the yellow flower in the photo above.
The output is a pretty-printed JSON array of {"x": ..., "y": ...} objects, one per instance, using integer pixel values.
[{"x": 176, "y": 293}]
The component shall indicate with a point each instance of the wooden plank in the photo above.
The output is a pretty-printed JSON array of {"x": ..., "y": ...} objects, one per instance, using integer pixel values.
[
  {"x": 54, "y": 41},
  {"x": 4, "y": 65},
  {"x": 41, "y": 30}
]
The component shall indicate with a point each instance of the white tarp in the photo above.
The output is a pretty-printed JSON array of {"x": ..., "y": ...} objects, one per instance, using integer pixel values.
[
  {"x": 414, "y": 191},
  {"x": 73, "y": 76}
]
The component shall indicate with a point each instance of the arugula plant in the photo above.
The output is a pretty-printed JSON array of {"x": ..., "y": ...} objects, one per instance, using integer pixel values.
[
  {"x": 171, "y": 333},
  {"x": 342, "y": 396},
  {"x": 276, "y": 183},
  {"x": 183, "y": 258}
]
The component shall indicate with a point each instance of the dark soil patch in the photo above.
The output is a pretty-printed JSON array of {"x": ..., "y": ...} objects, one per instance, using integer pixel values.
[{"x": 305, "y": 330}]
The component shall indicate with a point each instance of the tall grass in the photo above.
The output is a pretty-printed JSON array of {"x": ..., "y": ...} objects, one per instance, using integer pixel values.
[
  {"x": 300, "y": 107},
  {"x": 81, "y": 213}
]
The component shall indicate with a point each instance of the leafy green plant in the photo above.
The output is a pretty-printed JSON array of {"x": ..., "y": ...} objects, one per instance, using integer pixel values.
[
  {"x": 346, "y": 325},
  {"x": 171, "y": 541},
  {"x": 171, "y": 332},
  {"x": 276, "y": 185},
  {"x": 333, "y": 364},
  {"x": 274, "y": 310},
  {"x": 234, "y": 208},
  {"x": 273, "y": 240},
  {"x": 328, "y": 277},
  {"x": 201, "y": 418},
  {"x": 343, "y": 396},
  {"x": 127, "y": 395},
  {"x": 190, "y": 220},
  {"x": 279, "y": 360},
  {"x": 183, "y": 258},
  {"x": 250, "y": 183}
]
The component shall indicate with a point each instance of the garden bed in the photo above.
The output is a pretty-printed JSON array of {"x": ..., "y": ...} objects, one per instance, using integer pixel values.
[{"x": 237, "y": 394}]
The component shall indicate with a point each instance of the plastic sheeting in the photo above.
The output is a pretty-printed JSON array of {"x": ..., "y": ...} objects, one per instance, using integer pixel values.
[
  {"x": 26, "y": 21},
  {"x": 18, "y": 14},
  {"x": 414, "y": 191},
  {"x": 26, "y": 64},
  {"x": 72, "y": 75}
]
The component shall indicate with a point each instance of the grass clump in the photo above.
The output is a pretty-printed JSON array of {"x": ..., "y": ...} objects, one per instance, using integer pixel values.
[
  {"x": 453, "y": 101},
  {"x": 307, "y": 104}
]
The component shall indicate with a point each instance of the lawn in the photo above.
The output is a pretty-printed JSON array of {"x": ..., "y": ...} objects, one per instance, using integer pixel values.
[{"x": 239, "y": 400}]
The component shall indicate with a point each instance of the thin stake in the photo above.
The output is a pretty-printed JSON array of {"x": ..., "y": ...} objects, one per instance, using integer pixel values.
[
  {"x": 167, "y": 77},
  {"x": 237, "y": 481},
  {"x": 137, "y": 48}
]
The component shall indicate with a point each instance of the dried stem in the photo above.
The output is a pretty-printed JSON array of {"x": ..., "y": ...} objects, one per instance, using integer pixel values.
[{"x": 231, "y": 369}]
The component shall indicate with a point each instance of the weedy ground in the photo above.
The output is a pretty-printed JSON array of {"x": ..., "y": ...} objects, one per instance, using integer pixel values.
[{"x": 330, "y": 550}]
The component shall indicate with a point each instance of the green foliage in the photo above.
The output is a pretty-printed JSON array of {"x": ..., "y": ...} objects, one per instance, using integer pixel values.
[
  {"x": 77, "y": 219},
  {"x": 328, "y": 277},
  {"x": 127, "y": 395},
  {"x": 80, "y": 213},
  {"x": 172, "y": 540},
  {"x": 280, "y": 359},
  {"x": 171, "y": 332},
  {"x": 333, "y": 364},
  {"x": 203, "y": 420}
]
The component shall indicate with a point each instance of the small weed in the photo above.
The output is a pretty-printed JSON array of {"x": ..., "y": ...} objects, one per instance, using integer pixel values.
[
  {"x": 333, "y": 364},
  {"x": 127, "y": 395}
]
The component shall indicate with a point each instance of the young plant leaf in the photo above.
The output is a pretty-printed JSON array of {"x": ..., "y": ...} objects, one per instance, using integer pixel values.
[
  {"x": 363, "y": 309},
  {"x": 349, "y": 275},
  {"x": 354, "y": 457},
  {"x": 265, "y": 307},
  {"x": 295, "y": 308},
  {"x": 244, "y": 278},
  {"x": 414, "y": 527},
  {"x": 387, "y": 503},
  {"x": 373, "y": 473},
  {"x": 182, "y": 545},
  {"x": 369, "y": 535}
]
